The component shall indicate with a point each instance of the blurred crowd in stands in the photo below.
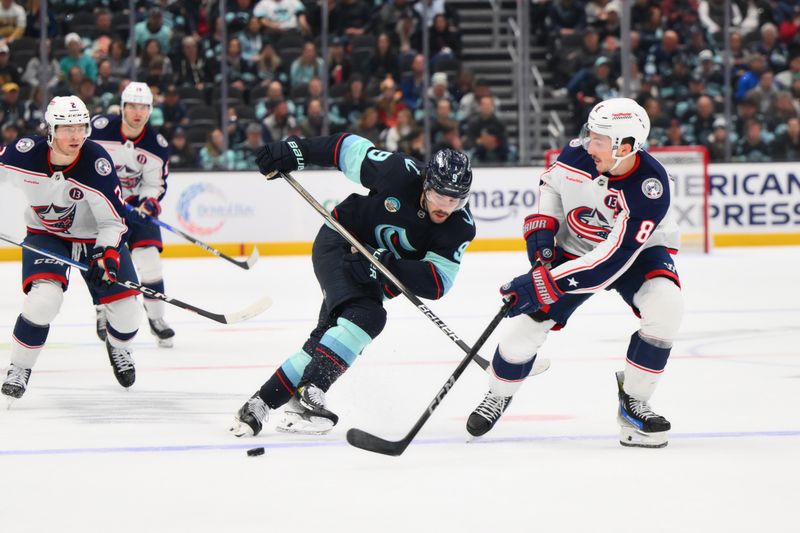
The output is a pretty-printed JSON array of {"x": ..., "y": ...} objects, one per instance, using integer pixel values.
[
  {"x": 677, "y": 69},
  {"x": 375, "y": 72}
]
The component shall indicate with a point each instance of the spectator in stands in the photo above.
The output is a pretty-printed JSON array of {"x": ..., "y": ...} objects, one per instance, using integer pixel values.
[
  {"x": 106, "y": 85},
  {"x": 712, "y": 15},
  {"x": 153, "y": 28},
  {"x": 771, "y": 48},
  {"x": 402, "y": 127},
  {"x": 470, "y": 102},
  {"x": 406, "y": 30},
  {"x": 590, "y": 86},
  {"x": 711, "y": 73},
  {"x": 387, "y": 17},
  {"x": 784, "y": 78},
  {"x": 34, "y": 112},
  {"x": 280, "y": 123},
  {"x": 611, "y": 25},
  {"x": 240, "y": 75},
  {"x": 247, "y": 150},
  {"x": 659, "y": 122},
  {"x": 484, "y": 119},
  {"x": 445, "y": 40},
  {"x": 784, "y": 108},
  {"x": 181, "y": 155},
  {"x": 239, "y": 17},
  {"x": 13, "y": 110},
  {"x": 675, "y": 135},
  {"x": 251, "y": 41},
  {"x": 434, "y": 8},
  {"x": 764, "y": 92},
  {"x": 661, "y": 58},
  {"x": 700, "y": 124},
  {"x": 10, "y": 133},
  {"x": 31, "y": 74},
  {"x": 685, "y": 104},
  {"x": 311, "y": 125},
  {"x": 281, "y": 16},
  {"x": 12, "y": 20},
  {"x": 786, "y": 146},
  {"x": 150, "y": 51},
  {"x": 102, "y": 35},
  {"x": 566, "y": 17},
  {"x": 121, "y": 63},
  {"x": 412, "y": 83},
  {"x": 753, "y": 148},
  {"x": 349, "y": 18},
  {"x": 268, "y": 66},
  {"x": 413, "y": 144},
  {"x": 749, "y": 80},
  {"x": 76, "y": 57},
  {"x": 275, "y": 95},
  {"x": 33, "y": 26},
  {"x": 491, "y": 146},
  {"x": 368, "y": 126},
  {"x": 71, "y": 82},
  {"x": 436, "y": 92},
  {"x": 9, "y": 72},
  {"x": 213, "y": 155},
  {"x": 443, "y": 117},
  {"x": 389, "y": 103},
  {"x": 716, "y": 144},
  {"x": 651, "y": 30},
  {"x": 348, "y": 111},
  {"x": 87, "y": 94},
  {"x": 192, "y": 69},
  {"x": 306, "y": 66},
  {"x": 383, "y": 61},
  {"x": 339, "y": 65},
  {"x": 739, "y": 56},
  {"x": 174, "y": 112},
  {"x": 569, "y": 61},
  {"x": 449, "y": 138}
]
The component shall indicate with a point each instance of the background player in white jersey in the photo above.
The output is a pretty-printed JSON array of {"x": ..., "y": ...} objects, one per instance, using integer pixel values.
[
  {"x": 603, "y": 223},
  {"x": 75, "y": 211},
  {"x": 141, "y": 157}
]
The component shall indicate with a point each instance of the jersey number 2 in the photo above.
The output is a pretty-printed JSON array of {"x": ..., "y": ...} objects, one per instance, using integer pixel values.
[{"x": 645, "y": 229}]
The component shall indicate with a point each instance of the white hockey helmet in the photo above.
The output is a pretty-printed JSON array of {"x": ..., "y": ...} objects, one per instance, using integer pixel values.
[
  {"x": 63, "y": 110},
  {"x": 618, "y": 119},
  {"x": 137, "y": 93}
]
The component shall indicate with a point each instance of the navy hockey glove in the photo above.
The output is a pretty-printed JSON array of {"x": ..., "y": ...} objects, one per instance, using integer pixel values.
[
  {"x": 284, "y": 156},
  {"x": 150, "y": 206},
  {"x": 103, "y": 266},
  {"x": 540, "y": 238},
  {"x": 531, "y": 292},
  {"x": 361, "y": 270}
]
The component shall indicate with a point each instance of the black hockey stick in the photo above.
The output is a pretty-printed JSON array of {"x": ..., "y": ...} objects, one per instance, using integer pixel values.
[
  {"x": 230, "y": 318},
  {"x": 383, "y": 270},
  {"x": 246, "y": 264},
  {"x": 371, "y": 443}
]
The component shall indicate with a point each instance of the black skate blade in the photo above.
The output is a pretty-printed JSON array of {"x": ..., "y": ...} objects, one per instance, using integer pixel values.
[{"x": 371, "y": 443}]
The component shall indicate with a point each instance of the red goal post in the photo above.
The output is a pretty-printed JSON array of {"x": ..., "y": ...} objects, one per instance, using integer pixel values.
[{"x": 688, "y": 170}]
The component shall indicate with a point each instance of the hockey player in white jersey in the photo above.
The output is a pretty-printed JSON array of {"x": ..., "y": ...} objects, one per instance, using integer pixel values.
[
  {"x": 141, "y": 157},
  {"x": 75, "y": 211},
  {"x": 603, "y": 223}
]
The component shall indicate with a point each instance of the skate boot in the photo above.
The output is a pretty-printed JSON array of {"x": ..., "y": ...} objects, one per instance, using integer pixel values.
[
  {"x": 307, "y": 413},
  {"x": 250, "y": 418},
  {"x": 101, "y": 322},
  {"x": 162, "y": 332},
  {"x": 640, "y": 426},
  {"x": 122, "y": 363},
  {"x": 16, "y": 382},
  {"x": 486, "y": 415}
]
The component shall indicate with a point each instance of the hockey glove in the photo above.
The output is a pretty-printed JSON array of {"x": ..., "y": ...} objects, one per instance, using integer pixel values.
[
  {"x": 283, "y": 156},
  {"x": 540, "y": 238},
  {"x": 531, "y": 292},
  {"x": 361, "y": 270},
  {"x": 103, "y": 266},
  {"x": 150, "y": 206}
]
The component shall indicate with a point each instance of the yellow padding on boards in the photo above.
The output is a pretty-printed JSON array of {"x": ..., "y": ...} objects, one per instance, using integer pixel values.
[{"x": 478, "y": 245}]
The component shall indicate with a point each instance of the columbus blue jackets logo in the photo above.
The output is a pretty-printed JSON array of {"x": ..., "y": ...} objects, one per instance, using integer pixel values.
[
  {"x": 589, "y": 224},
  {"x": 54, "y": 218},
  {"x": 652, "y": 188},
  {"x": 129, "y": 176},
  {"x": 102, "y": 166},
  {"x": 24, "y": 145},
  {"x": 392, "y": 204},
  {"x": 100, "y": 123}
]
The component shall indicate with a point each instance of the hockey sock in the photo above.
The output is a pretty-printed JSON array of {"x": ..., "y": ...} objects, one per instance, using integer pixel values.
[
  {"x": 645, "y": 363},
  {"x": 154, "y": 308},
  {"x": 507, "y": 377},
  {"x": 281, "y": 386},
  {"x": 118, "y": 339},
  {"x": 29, "y": 339}
]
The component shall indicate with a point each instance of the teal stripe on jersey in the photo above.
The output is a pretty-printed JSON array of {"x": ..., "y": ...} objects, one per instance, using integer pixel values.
[
  {"x": 295, "y": 366},
  {"x": 352, "y": 154},
  {"x": 346, "y": 340},
  {"x": 446, "y": 269}
]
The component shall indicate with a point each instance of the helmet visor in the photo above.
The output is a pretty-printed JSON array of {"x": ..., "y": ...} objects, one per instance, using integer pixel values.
[{"x": 589, "y": 137}]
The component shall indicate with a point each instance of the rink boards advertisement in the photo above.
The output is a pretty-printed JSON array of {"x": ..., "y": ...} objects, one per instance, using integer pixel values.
[{"x": 749, "y": 205}]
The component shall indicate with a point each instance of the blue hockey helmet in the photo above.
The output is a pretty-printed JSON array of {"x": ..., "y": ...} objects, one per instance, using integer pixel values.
[{"x": 449, "y": 173}]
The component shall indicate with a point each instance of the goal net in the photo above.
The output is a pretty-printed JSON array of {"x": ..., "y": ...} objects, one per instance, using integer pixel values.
[{"x": 688, "y": 170}]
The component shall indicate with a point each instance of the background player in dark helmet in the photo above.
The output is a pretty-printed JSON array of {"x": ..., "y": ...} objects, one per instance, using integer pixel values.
[{"x": 415, "y": 221}]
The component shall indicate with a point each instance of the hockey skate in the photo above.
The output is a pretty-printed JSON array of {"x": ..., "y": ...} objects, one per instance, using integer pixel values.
[
  {"x": 307, "y": 413},
  {"x": 250, "y": 418},
  {"x": 162, "y": 332},
  {"x": 101, "y": 325},
  {"x": 486, "y": 415},
  {"x": 640, "y": 426},
  {"x": 16, "y": 383},
  {"x": 121, "y": 361}
]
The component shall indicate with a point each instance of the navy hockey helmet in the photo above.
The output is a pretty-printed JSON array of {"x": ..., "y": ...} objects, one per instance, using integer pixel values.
[{"x": 449, "y": 173}]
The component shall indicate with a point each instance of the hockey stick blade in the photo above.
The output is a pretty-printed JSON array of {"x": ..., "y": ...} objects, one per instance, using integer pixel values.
[{"x": 256, "y": 309}]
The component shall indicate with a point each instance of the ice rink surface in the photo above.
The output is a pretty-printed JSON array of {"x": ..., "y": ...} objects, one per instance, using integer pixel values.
[{"x": 79, "y": 453}]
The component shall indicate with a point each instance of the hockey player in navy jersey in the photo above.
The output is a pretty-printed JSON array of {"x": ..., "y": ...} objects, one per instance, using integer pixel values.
[
  {"x": 603, "y": 223},
  {"x": 75, "y": 211},
  {"x": 141, "y": 157},
  {"x": 415, "y": 221}
]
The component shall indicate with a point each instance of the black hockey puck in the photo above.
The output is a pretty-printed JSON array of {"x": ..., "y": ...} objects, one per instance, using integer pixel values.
[{"x": 253, "y": 452}]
